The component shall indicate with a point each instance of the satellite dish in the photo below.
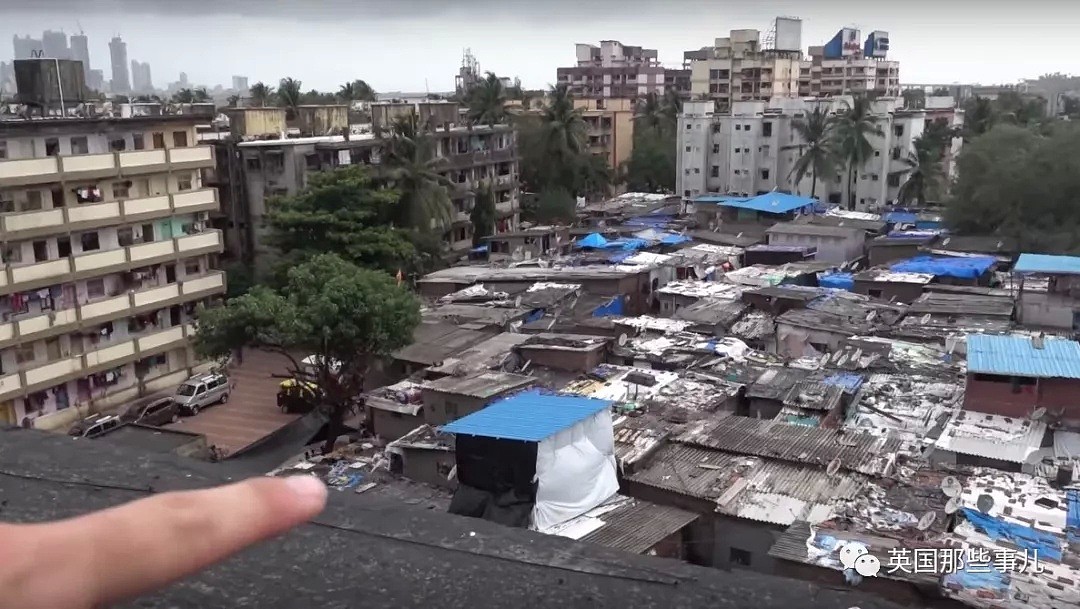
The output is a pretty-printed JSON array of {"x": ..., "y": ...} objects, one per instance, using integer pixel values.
[
  {"x": 517, "y": 301},
  {"x": 926, "y": 521},
  {"x": 985, "y": 503},
  {"x": 833, "y": 467},
  {"x": 952, "y": 505},
  {"x": 1038, "y": 413},
  {"x": 622, "y": 340},
  {"x": 951, "y": 487}
]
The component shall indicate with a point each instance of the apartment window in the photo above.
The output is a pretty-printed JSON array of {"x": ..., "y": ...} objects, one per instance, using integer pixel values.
[
  {"x": 893, "y": 180},
  {"x": 697, "y": 170},
  {"x": 63, "y": 246},
  {"x": 137, "y": 141},
  {"x": 764, "y": 174},
  {"x": 253, "y": 163},
  {"x": 766, "y": 129},
  {"x": 125, "y": 236},
  {"x": 688, "y": 149},
  {"x": 716, "y": 148},
  {"x": 121, "y": 190},
  {"x": 183, "y": 182},
  {"x": 95, "y": 288},
  {"x": 24, "y": 353},
  {"x": 686, "y": 193},
  {"x": 117, "y": 144},
  {"x": 79, "y": 145},
  {"x": 739, "y": 557},
  {"x": 312, "y": 161},
  {"x": 874, "y": 177},
  {"x": 877, "y": 153},
  {"x": 41, "y": 251},
  {"x": 90, "y": 241},
  {"x": 3, "y": 149},
  {"x": 898, "y": 130},
  {"x": 736, "y": 172},
  {"x": 738, "y": 127},
  {"x": 191, "y": 266},
  {"x": 738, "y": 150},
  {"x": 52, "y": 146},
  {"x": 896, "y": 153},
  {"x": 12, "y": 253},
  {"x": 746, "y": 127},
  {"x": 715, "y": 171},
  {"x": 179, "y": 139},
  {"x": 33, "y": 200},
  {"x": 159, "y": 140}
]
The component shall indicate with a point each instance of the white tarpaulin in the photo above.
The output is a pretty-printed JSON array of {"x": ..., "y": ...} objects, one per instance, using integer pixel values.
[{"x": 575, "y": 471}]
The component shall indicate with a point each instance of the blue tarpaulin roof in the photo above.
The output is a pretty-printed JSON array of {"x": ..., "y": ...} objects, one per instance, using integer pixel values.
[
  {"x": 480, "y": 249},
  {"x": 674, "y": 239},
  {"x": 1043, "y": 263},
  {"x": 530, "y": 416},
  {"x": 967, "y": 267},
  {"x": 620, "y": 255},
  {"x": 613, "y": 308},
  {"x": 1046, "y": 544},
  {"x": 653, "y": 220},
  {"x": 915, "y": 234},
  {"x": 900, "y": 217},
  {"x": 592, "y": 240},
  {"x": 840, "y": 281},
  {"x": 773, "y": 202},
  {"x": 1072, "y": 517},
  {"x": 848, "y": 380},
  {"x": 1017, "y": 356}
]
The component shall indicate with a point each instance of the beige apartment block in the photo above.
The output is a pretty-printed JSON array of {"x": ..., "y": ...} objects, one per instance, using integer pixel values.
[{"x": 106, "y": 253}]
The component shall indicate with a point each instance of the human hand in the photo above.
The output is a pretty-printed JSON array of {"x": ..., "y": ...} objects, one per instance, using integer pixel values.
[{"x": 122, "y": 552}]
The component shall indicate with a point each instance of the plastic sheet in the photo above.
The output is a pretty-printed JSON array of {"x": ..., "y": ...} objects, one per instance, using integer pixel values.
[
  {"x": 1046, "y": 544},
  {"x": 840, "y": 281},
  {"x": 593, "y": 240},
  {"x": 575, "y": 471},
  {"x": 945, "y": 266}
]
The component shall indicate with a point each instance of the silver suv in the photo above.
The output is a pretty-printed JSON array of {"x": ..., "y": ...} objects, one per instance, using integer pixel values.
[{"x": 202, "y": 391}]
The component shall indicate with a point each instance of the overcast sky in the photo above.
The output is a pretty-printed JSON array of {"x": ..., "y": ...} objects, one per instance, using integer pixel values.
[{"x": 410, "y": 45}]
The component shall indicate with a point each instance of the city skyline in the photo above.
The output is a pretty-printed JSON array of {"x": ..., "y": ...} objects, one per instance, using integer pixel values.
[{"x": 947, "y": 49}]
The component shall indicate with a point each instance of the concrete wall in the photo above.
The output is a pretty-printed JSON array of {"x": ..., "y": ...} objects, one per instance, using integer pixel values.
[
  {"x": 390, "y": 425},
  {"x": 252, "y": 122},
  {"x": 441, "y": 408},
  {"x": 428, "y": 466},
  {"x": 1049, "y": 310},
  {"x": 571, "y": 361},
  {"x": 829, "y": 248},
  {"x": 897, "y": 292}
]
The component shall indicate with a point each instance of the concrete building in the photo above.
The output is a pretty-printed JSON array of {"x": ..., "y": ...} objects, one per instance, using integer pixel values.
[
  {"x": 141, "y": 80},
  {"x": 106, "y": 254},
  {"x": 27, "y": 47},
  {"x": 80, "y": 51},
  {"x": 753, "y": 150},
  {"x": 609, "y": 127},
  {"x": 843, "y": 66},
  {"x": 7, "y": 77},
  {"x": 614, "y": 70},
  {"x": 837, "y": 244},
  {"x": 55, "y": 45},
  {"x": 121, "y": 82},
  {"x": 254, "y": 170},
  {"x": 240, "y": 83},
  {"x": 737, "y": 68}
]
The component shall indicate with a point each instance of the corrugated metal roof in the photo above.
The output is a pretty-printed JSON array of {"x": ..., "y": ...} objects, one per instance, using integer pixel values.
[
  {"x": 1018, "y": 356},
  {"x": 639, "y": 526},
  {"x": 1044, "y": 263},
  {"x": 860, "y": 452},
  {"x": 530, "y": 416},
  {"x": 992, "y": 436},
  {"x": 480, "y": 385},
  {"x": 773, "y": 202}
]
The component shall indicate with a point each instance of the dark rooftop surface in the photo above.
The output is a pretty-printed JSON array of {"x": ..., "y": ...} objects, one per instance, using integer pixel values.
[
  {"x": 149, "y": 439},
  {"x": 366, "y": 553}
]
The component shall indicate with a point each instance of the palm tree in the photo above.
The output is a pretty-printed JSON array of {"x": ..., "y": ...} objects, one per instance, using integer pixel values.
[
  {"x": 289, "y": 95},
  {"x": 357, "y": 90},
  {"x": 649, "y": 112},
  {"x": 183, "y": 96},
  {"x": 233, "y": 101},
  {"x": 413, "y": 168},
  {"x": 487, "y": 102},
  {"x": 851, "y": 136},
  {"x": 260, "y": 93},
  {"x": 979, "y": 117},
  {"x": 817, "y": 154},
  {"x": 564, "y": 140},
  {"x": 200, "y": 96},
  {"x": 923, "y": 172},
  {"x": 671, "y": 105}
]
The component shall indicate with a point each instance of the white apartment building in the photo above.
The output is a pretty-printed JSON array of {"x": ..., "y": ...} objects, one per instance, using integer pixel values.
[
  {"x": 753, "y": 149},
  {"x": 105, "y": 256}
]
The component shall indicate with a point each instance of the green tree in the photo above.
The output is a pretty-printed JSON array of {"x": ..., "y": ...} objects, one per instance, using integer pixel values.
[
  {"x": 923, "y": 173},
  {"x": 344, "y": 315},
  {"x": 596, "y": 177},
  {"x": 482, "y": 215},
  {"x": 200, "y": 96},
  {"x": 979, "y": 117},
  {"x": 852, "y": 130},
  {"x": 914, "y": 99},
  {"x": 240, "y": 278},
  {"x": 183, "y": 96},
  {"x": 289, "y": 95},
  {"x": 233, "y": 101},
  {"x": 553, "y": 145},
  {"x": 357, "y": 90},
  {"x": 415, "y": 170},
  {"x": 346, "y": 212},
  {"x": 487, "y": 102},
  {"x": 556, "y": 205},
  {"x": 817, "y": 152},
  {"x": 938, "y": 135},
  {"x": 652, "y": 163},
  {"x": 261, "y": 94}
]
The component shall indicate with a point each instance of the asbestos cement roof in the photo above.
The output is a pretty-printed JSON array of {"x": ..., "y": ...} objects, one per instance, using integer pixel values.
[
  {"x": 480, "y": 385},
  {"x": 992, "y": 436},
  {"x": 625, "y": 523},
  {"x": 482, "y": 356}
]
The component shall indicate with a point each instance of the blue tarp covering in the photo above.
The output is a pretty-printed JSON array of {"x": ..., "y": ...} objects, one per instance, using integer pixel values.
[
  {"x": 1072, "y": 519},
  {"x": 804, "y": 421},
  {"x": 848, "y": 380},
  {"x": 628, "y": 243},
  {"x": 987, "y": 577},
  {"x": 773, "y": 202},
  {"x": 619, "y": 256},
  {"x": 592, "y": 240},
  {"x": 900, "y": 217},
  {"x": 840, "y": 281},
  {"x": 480, "y": 249},
  {"x": 928, "y": 224},
  {"x": 613, "y": 308},
  {"x": 1044, "y": 263},
  {"x": 945, "y": 266},
  {"x": 652, "y": 220},
  {"x": 1024, "y": 537},
  {"x": 674, "y": 239},
  {"x": 534, "y": 316}
]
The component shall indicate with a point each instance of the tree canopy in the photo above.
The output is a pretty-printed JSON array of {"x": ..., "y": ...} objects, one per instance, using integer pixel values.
[
  {"x": 344, "y": 315},
  {"x": 482, "y": 215},
  {"x": 486, "y": 102},
  {"x": 652, "y": 163},
  {"x": 1019, "y": 183}
]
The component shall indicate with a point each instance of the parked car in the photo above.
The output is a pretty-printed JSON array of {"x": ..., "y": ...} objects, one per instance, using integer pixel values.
[
  {"x": 94, "y": 426},
  {"x": 201, "y": 391},
  {"x": 159, "y": 412}
]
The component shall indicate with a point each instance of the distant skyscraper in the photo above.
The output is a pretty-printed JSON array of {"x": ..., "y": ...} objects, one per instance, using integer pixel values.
[
  {"x": 80, "y": 51},
  {"x": 141, "y": 82},
  {"x": 121, "y": 83},
  {"x": 240, "y": 83},
  {"x": 55, "y": 45},
  {"x": 183, "y": 79},
  {"x": 7, "y": 77},
  {"x": 95, "y": 80},
  {"x": 27, "y": 47}
]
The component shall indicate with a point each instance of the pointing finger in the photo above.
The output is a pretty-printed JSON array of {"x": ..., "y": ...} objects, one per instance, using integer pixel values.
[{"x": 144, "y": 545}]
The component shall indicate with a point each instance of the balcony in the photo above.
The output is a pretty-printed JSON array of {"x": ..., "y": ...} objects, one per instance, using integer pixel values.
[
  {"x": 30, "y": 224},
  {"x": 42, "y": 274},
  {"x": 70, "y": 368},
  {"x": 118, "y": 307},
  {"x": 21, "y": 172}
]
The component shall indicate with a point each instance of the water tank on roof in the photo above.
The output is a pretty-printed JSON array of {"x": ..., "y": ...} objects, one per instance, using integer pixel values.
[{"x": 42, "y": 82}]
